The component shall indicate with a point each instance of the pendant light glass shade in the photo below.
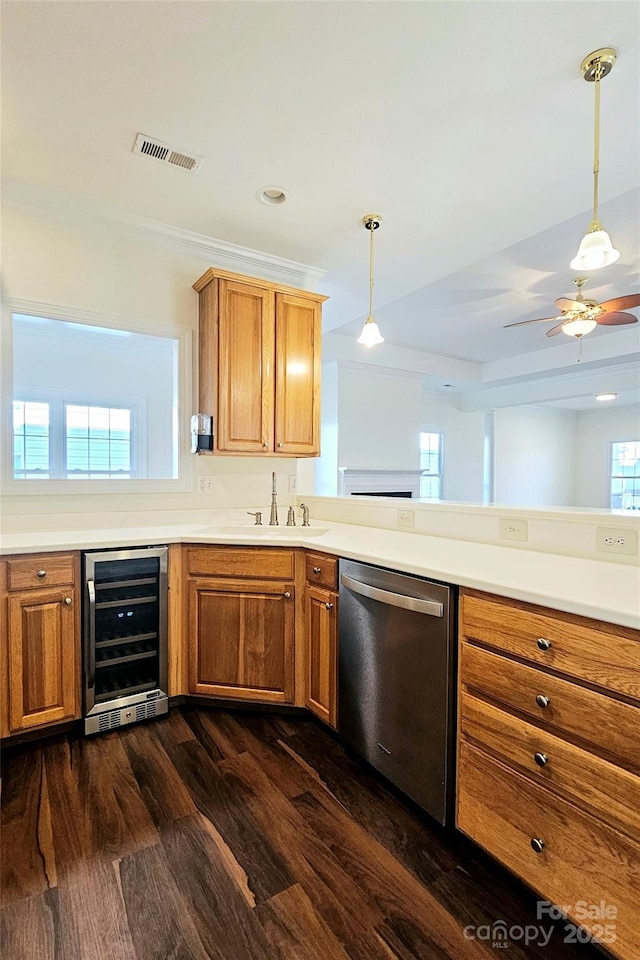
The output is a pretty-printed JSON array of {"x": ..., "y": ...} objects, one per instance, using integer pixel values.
[
  {"x": 596, "y": 250},
  {"x": 578, "y": 327},
  {"x": 371, "y": 335}
]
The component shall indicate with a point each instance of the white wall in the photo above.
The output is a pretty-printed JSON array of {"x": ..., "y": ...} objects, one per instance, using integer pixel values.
[
  {"x": 534, "y": 456},
  {"x": 463, "y": 447},
  {"x": 46, "y": 262},
  {"x": 379, "y": 421},
  {"x": 595, "y": 430}
]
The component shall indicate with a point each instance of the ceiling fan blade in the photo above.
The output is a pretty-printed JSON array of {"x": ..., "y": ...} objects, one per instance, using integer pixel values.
[
  {"x": 521, "y": 323},
  {"x": 557, "y": 329},
  {"x": 622, "y": 303},
  {"x": 613, "y": 319},
  {"x": 566, "y": 304}
]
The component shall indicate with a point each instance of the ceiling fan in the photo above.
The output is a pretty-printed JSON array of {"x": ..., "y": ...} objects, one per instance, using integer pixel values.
[{"x": 579, "y": 317}]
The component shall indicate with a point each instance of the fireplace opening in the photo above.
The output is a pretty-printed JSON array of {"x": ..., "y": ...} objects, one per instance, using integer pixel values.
[{"x": 381, "y": 493}]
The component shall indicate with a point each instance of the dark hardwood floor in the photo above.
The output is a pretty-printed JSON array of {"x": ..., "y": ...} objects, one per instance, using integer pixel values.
[{"x": 232, "y": 836}]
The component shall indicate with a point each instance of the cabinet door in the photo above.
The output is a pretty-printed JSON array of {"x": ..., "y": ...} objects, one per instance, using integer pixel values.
[
  {"x": 322, "y": 608},
  {"x": 242, "y": 639},
  {"x": 297, "y": 417},
  {"x": 245, "y": 369},
  {"x": 43, "y": 658}
]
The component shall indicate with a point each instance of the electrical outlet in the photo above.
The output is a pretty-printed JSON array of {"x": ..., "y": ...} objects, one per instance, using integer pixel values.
[
  {"x": 513, "y": 528},
  {"x": 206, "y": 484},
  {"x": 293, "y": 483},
  {"x": 617, "y": 540},
  {"x": 406, "y": 518}
]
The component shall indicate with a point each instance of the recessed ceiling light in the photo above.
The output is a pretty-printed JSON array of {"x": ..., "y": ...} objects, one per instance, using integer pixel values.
[
  {"x": 606, "y": 396},
  {"x": 272, "y": 195}
]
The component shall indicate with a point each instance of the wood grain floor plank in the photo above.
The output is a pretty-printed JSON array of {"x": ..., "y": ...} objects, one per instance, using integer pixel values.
[
  {"x": 221, "y": 797},
  {"x": 163, "y": 790},
  {"x": 413, "y": 838},
  {"x": 384, "y": 879},
  {"x": 295, "y": 930},
  {"x": 93, "y": 924},
  {"x": 27, "y": 928},
  {"x": 28, "y": 861},
  {"x": 228, "y": 926},
  {"x": 159, "y": 918},
  {"x": 107, "y": 785}
]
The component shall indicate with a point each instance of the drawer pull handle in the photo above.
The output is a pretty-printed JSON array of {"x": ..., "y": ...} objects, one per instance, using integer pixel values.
[
  {"x": 287, "y": 595},
  {"x": 542, "y": 701},
  {"x": 543, "y": 643},
  {"x": 541, "y": 759},
  {"x": 537, "y": 844},
  {"x": 68, "y": 601},
  {"x": 328, "y": 606},
  {"x": 41, "y": 573},
  {"x": 317, "y": 570}
]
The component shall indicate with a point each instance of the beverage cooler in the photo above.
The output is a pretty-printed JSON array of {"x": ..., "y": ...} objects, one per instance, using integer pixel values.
[{"x": 124, "y": 637}]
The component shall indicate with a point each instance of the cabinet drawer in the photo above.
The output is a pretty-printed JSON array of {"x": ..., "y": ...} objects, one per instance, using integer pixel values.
[
  {"x": 611, "y": 793},
  {"x": 574, "y": 710},
  {"x": 582, "y": 861},
  {"x": 262, "y": 563},
  {"x": 595, "y": 652},
  {"x": 46, "y": 570},
  {"x": 322, "y": 569}
]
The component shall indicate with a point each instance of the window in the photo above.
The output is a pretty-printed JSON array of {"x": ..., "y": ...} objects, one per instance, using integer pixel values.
[
  {"x": 625, "y": 475},
  {"x": 431, "y": 466},
  {"x": 71, "y": 441},
  {"x": 95, "y": 402}
]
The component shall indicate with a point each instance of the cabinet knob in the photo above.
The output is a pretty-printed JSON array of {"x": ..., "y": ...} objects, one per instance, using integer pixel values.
[
  {"x": 543, "y": 643},
  {"x": 317, "y": 570},
  {"x": 541, "y": 759},
  {"x": 41, "y": 573},
  {"x": 542, "y": 701},
  {"x": 287, "y": 595},
  {"x": 281, "y": 444},
  {"x": 537, "y": 844},
  {"x": 68, "y": 601},
  {"x": 328, "y": 606},
  {"x": 265, "y": 444}
]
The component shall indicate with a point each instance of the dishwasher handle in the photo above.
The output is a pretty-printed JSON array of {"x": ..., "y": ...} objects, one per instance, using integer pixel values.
[{"x": 431, "y": 607}]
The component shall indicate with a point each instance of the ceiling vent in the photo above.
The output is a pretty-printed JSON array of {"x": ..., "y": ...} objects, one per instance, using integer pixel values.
[{"x": 158, "y": 150}]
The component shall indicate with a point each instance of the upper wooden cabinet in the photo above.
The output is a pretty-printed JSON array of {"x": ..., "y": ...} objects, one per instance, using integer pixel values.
[{"x": 260, "y": 364}]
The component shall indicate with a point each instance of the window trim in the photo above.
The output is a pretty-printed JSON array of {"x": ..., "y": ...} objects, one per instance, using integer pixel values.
[
  {"x": 184, "y": 482},
  {"x": 430, "y": 428},
  {"x": 610, "y": 478}
]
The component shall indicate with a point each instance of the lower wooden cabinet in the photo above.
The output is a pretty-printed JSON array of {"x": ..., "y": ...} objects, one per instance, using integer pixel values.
[
  {"x": 549, "y": 758},
  {"x": 40, "y": 642},
  {"x": 322, "y": 645},
  {"x": 242, "y": 639}
]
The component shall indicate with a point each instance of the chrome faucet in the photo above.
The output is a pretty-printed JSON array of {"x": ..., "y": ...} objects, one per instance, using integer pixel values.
[
  {"x": 305, "y": 514},
  {"x": 273, "y": 518}
]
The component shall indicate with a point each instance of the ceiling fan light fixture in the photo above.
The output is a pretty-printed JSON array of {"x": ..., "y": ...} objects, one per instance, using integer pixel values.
[
  {"x": 596, "y": 249},
  {"x": 578, "y": 327},
  {"x": 371, "y": 335}
]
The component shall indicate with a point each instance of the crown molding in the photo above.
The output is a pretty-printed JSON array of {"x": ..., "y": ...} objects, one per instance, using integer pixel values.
[{"x": 228, "y": 256}]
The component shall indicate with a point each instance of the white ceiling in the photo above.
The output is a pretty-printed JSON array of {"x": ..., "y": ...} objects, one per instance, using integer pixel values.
[{"x": 466, "y": 125}]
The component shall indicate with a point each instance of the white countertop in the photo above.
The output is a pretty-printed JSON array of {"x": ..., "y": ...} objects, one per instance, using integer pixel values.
[{"x": 592, "y": 588}]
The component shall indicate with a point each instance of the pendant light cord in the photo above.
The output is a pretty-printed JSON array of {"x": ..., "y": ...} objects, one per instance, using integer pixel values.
[
  {"x": 596, "y": 144},
  {"x": 371, "y": 231}
]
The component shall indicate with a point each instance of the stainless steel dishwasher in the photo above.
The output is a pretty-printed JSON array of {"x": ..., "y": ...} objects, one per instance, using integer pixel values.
[{"x": 396, "y": 679}]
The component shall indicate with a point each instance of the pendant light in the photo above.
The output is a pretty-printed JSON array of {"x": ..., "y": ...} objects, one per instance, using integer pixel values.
[
  {"x": 370, "y": 335},
  {"x": 596, "y": 249}
]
